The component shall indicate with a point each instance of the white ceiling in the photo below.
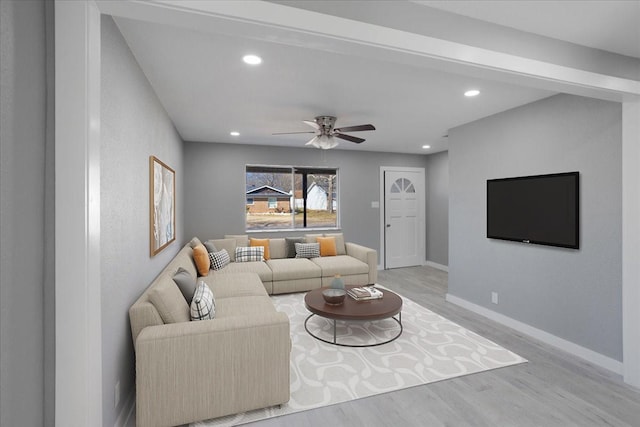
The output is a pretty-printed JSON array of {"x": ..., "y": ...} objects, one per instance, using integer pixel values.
[
  {"x": 611, "y": 25},
  {"x": 208, "y": 91}
]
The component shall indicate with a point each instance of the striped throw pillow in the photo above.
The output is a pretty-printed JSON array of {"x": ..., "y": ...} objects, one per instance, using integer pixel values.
[
  {"x": 307, "y": 250},
  {"x": 249, "y": 253},
  {"x": 203, "y": 306},
  {"x": 219, "y": 259}
]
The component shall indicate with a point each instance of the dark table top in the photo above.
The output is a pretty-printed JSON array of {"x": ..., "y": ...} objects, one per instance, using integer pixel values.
[{"x": 387, "y": 306}]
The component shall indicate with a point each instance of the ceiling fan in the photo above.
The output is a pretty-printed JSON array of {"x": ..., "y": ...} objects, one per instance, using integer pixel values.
[{"x": 325, "y": 132}]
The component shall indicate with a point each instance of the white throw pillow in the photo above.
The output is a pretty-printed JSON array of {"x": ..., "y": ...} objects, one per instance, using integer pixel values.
[
  {"x": 249, "y": 253},
  {"x": 307, "y": 250},
  {"x": 203, "y": 306}
]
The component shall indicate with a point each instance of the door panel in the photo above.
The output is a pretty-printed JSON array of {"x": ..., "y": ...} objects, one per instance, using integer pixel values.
[{"x": 403, "y": 199}]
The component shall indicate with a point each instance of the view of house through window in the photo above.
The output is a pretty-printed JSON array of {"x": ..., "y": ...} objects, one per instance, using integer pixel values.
[{"x": 280, "y": 197}]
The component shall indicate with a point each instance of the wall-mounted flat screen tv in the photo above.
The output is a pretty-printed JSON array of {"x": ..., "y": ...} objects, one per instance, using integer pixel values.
[{"x": 541, "y": 209}]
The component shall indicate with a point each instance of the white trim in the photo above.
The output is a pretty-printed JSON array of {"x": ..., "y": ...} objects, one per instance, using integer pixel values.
[
  {"x": 436, "y": 265},
  {"x": 124, "y": 418},
  {"x": 547, "y": 338},
  {"x": 423, "y": 212},
  {"x": 78, "y": 388},
  {"x": 631, "y": 241}
]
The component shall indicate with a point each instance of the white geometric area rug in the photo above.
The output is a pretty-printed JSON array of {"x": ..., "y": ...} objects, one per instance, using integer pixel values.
[{"x": 431, "y": 348}]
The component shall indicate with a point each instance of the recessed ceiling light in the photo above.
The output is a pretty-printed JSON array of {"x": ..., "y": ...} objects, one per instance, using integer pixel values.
[
  {"x": 234, "y": 133},
  {"x": 426, "y": 147},
  {"x": 473, "y": 92},
  {"x": 252, "y": 59}
]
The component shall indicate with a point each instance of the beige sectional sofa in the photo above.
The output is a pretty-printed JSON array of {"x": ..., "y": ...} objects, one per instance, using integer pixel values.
[
  {"x": 356, "y": 264},
  {"x": 194, "y": 370},
  {"x": 189, "y": 371}
]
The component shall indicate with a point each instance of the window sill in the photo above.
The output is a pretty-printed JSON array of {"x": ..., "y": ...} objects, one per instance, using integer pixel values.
[{"x": 292, "y": 230}]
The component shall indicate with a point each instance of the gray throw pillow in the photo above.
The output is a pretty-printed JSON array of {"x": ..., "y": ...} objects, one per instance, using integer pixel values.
[
  {"x": 291, "y": 245},
  {"x": 211, "y": 248},
  {"x": 186, "y": 282}
]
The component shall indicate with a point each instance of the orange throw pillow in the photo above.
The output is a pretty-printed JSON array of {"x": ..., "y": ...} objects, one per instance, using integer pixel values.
[
  {"x": 327, "y": 246},
  {"x": 261, "y": 242},
  {"x": 201, "y": 257}
]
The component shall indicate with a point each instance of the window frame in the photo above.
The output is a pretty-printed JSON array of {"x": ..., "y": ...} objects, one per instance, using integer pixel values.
[{"x": 320, "y": 170}]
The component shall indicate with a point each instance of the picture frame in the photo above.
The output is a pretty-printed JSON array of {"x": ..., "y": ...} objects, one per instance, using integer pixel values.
[{"x": 162, "y": 205}]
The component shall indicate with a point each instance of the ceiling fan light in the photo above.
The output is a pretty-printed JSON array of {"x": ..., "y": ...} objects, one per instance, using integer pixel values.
[{"x": 325, "y": 142}]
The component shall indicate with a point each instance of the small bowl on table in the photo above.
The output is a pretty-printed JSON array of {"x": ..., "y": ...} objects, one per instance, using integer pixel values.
[{"x": 334, "y": 296}]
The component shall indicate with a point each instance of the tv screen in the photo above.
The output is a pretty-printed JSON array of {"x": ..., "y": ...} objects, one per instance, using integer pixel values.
[{"x": 541, "y": 209}]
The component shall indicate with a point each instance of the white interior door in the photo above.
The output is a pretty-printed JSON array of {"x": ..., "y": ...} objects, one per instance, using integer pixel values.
[{"x": 404, "y": 218}]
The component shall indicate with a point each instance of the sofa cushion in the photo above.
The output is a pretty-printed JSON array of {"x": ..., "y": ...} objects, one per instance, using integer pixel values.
[
  {"x": 291, "y": 245},
  {"x": 292, "y": 269},
  {"x": 341, "y": 264},
  {"x": 228, "y": 245},
  {"x": 327, "y": 246},
  {"x": 311, "y": 238},
  {"x": 278, "y": 248},
  {"x": 241, "y": 239},
  {"x": 235, "y": 285},
  {"x": 243, "y": 306},
  {"x": 201, "y": 257},
  {"x": 340, "y": 248},
  {"x": 261, "y": 242},
  {"x": 219, "y": 260},
  {"x": 307, "y": 250},
  {"x": 203, "y": 306},
  {"x": 248, "y": 253},
  {"x": 169, "y": 301},
  {"x": 259, "y": 267},
  {"x": 183, "y": 259},
  {"x": 186, "y": 283}
]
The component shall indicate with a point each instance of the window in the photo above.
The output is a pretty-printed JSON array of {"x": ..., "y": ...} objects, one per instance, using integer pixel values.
[{"x": 285, "y": 198}]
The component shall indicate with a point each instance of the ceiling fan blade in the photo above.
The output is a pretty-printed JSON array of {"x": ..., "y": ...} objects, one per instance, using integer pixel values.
[
  {"x": 289, "y": 133},
  {"x": 358, "y": 128},
  {"x": 349, "y": 138},
  {"x": 312, "y": 124}
]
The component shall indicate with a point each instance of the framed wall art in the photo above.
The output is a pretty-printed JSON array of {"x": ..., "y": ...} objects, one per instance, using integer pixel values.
[{"x": 162, "y": 205}]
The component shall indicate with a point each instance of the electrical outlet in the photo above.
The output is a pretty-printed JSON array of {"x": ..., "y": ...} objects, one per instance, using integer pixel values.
[
  {"x": 494, "y": 297},
  {"x": 117, "y": 394}
]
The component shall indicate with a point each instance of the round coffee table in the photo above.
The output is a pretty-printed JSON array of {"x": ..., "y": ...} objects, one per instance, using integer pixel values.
[{"x": 384, "y": 308}]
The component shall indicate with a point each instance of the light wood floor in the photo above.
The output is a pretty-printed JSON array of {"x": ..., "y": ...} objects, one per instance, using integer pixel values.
[{"x": 552, "y": 389}]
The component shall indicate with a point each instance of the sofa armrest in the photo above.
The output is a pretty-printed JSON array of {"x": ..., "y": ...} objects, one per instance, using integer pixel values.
[
  {"x": 197, "y": 370},
  {"x": 364, "y": 254}
]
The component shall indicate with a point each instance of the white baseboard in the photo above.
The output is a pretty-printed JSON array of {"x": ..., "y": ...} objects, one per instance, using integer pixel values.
[
  {"x": 127, "y": 410},
  {"x": 572, "y": 348},
  {"x": 436, "y": 265}
]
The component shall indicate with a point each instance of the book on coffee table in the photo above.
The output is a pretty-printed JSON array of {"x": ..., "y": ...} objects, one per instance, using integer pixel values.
[{"x": 364, "y": 293}]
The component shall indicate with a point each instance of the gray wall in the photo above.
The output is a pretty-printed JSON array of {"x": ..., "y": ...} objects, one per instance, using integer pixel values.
[
  {"x": 134, "y": 127},
  {"x": 438, "y": 208},
  {"x": 572, "y": 294},
  {"x": 27, "y": 324},
  {"x": 215, "y": 180}
]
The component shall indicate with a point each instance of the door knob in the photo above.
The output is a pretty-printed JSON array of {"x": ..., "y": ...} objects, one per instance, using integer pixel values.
[{"x": 388, "y": 225}]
